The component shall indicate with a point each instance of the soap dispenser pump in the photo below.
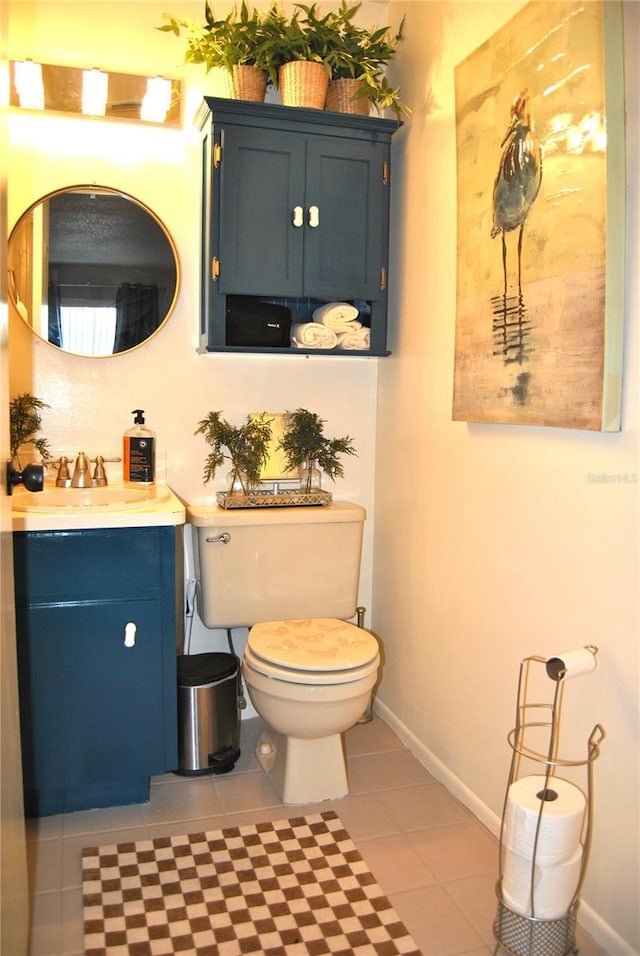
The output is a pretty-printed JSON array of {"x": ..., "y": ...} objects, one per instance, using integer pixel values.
[{"x": 139, "y": 452}]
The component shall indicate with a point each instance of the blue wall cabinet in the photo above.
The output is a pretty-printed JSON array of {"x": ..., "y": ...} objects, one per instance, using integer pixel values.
[
  {"x": 96, "y": 616},
  {"x": 295, "y": 214}
]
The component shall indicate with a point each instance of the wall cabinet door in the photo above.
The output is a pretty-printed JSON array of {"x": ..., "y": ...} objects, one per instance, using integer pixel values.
[
  {"x": 346, "y": 235},
  {"x": 296, "y": 214},
  {"x": 261, "y": 182},
  {"x": 301, "y": 216}
]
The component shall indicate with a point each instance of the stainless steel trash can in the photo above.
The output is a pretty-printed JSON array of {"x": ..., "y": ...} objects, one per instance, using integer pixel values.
[{"x": 208, "y": 713}]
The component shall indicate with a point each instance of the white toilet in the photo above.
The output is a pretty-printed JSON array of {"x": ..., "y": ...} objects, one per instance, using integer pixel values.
[{"x": 291, "y": 575}]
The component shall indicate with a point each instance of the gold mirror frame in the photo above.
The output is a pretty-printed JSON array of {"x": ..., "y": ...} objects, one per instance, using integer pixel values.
[{"x": 110, "y": 249}]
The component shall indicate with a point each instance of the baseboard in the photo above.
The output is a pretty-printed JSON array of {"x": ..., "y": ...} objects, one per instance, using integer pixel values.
[{"x": 588, "y": 918}]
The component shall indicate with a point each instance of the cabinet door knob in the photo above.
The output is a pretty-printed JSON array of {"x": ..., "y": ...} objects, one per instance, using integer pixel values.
[
  {"x": 297, "y": 216},
  {"x": 129, "y": 634},
  {"x": 314, "y": 217}
]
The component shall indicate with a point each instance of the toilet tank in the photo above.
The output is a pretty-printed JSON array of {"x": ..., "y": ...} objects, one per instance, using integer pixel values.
[{"x": 277, "y": 563}]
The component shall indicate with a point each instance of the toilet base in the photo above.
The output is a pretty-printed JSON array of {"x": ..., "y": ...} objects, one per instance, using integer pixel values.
[{"x": 304, "y": 771}]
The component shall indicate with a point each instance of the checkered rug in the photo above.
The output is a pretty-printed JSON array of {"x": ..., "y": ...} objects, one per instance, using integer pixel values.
[{"x": 290, "y": 888}]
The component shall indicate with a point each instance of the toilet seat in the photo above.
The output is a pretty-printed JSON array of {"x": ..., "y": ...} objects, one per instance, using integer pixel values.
[{"x": 312, "y": 651}]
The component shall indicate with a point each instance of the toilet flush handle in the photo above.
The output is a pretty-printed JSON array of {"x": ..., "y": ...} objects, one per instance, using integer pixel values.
[{"x": 223, "y": 538}]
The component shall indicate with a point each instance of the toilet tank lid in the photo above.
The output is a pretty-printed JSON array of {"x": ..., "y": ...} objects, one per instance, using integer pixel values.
[
  {"x": 214, "y": 516},
  {"x": 314, "y": 644}
]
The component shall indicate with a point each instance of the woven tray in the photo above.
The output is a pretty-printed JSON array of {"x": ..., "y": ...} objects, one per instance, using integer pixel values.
[{"x": 266, "y": 499}]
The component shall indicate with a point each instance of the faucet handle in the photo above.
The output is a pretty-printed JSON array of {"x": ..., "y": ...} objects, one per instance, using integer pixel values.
[
  {"x": 63, "y": 478},
  {"x": 99, "y": 474}
]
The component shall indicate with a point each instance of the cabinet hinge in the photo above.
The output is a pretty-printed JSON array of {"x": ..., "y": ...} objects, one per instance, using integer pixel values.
[
  {"x": 217, "y": 155},
  {"x": 385, "y": 173},
  {"x": 215, "y": 268},
  {"x": 383, "y": 278}
]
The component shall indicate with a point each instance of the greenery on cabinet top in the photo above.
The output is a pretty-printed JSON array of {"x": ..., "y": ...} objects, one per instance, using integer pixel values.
[{"x": 270, "y": 39}]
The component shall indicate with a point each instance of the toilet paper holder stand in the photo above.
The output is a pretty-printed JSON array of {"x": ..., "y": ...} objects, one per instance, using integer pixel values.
[{"x": 530, "y": 935}]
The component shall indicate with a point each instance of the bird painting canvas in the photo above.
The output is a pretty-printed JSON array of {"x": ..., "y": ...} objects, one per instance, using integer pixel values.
[{"x": 540, "y": 258}]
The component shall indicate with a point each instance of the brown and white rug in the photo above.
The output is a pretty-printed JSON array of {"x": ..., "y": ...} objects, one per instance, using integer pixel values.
[{"x": 289, "y": 888}]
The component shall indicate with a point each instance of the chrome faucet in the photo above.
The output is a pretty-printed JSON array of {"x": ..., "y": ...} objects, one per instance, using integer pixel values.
[
  {"x": 82, "y": 473},
  {"x": 82, "y": 477}
]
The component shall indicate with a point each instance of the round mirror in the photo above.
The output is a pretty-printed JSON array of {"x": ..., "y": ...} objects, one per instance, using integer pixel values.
[{"x": 92, "y": 270}]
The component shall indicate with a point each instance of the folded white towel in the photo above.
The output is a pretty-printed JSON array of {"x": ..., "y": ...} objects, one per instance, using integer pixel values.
[
  {"x": 359, "y": 338},
  {"x": 311, "y": 335},
  {"x": 336, "y": 315}
]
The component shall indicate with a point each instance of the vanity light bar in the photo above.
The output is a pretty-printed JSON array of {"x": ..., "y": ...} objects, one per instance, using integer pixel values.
[
  {"x": 157, "y": 100},
  {"x": 95, "y": 92},
  {"x": 29, "y": 85},
  {"x": 95, "y": 86}
]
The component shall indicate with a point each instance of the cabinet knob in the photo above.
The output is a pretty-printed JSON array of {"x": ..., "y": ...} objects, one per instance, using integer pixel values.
[
  {"x": 297, "y": 216},
  {"x": 129, "y": 634},
  {"x": 314, "y": 217}
]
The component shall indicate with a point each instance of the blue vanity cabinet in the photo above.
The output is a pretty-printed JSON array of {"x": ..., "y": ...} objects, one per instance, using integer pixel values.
[
  {"x": 96, "y": 621},
  {"x": 295, "y": 213}
]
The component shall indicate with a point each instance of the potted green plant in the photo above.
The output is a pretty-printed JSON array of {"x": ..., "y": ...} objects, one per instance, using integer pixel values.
[
  {"x": 24, "y": 424},
  {"x": 238, "y": 44},
  {"x": 299, "y": 49},
  {"x": 307, "y": 449},
  {"x": 246, "y": 446},
  {"x": 358, "y": 63}
]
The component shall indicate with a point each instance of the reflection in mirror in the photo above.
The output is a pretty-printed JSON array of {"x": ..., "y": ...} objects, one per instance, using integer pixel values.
[{"x": 92, "y": 270}]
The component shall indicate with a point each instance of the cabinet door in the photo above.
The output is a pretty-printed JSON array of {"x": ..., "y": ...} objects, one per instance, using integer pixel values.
[
  {"x": 346, "y": 218},
  {"x": 260, "y": 190},
  {"x": 92, "y": 708}
]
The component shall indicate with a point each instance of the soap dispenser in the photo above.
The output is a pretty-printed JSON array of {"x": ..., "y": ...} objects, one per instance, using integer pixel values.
[{"x": 139, "y": 452}]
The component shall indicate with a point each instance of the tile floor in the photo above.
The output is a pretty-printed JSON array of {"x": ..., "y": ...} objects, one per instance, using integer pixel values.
[{"x": 433, "y": 859}]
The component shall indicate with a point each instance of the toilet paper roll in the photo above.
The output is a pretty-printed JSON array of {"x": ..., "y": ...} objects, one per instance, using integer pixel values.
[
  {"x": 571, "y": 664},
  {"x": 563, "y": 808},
  {"x": 546, "y": 892}
]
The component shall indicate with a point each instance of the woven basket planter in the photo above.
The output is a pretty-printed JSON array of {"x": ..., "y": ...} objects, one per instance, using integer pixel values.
[
  {"x": 303, "y": 83},
  {"x": 341, "y": 97},
  {"x": 248, "y": 83}
]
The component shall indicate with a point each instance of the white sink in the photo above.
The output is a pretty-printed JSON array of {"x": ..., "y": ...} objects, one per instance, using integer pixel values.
[{"x": 108, "y": 498}]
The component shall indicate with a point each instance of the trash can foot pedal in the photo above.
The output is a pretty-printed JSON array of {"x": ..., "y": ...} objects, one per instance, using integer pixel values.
[{"x": 223, "y": 762}]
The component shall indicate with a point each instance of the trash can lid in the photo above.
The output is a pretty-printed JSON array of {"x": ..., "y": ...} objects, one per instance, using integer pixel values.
[{"x": 196, "y": 669}]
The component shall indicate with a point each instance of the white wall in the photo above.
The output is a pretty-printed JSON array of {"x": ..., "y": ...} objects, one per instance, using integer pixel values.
[{"x": 491, "y": 544}]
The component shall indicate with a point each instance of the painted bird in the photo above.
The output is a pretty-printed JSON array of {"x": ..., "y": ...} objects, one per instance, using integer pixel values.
[{"x": 518, "y": 181}]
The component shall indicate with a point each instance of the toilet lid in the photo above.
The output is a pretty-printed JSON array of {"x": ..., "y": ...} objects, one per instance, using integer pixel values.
[{"x": 314, "y": 644}]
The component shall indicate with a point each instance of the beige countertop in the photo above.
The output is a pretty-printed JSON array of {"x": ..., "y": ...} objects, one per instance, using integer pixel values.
[{"x": 160, "y": 507}]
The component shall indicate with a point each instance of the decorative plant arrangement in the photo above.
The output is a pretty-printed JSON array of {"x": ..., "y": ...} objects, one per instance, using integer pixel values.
[
  {"x": 360, "y": 58},
  {"x": 24, "y": 424},
  {"x": 230, "y": 44},
  {"x": 246, "y": 446},
  {"x": 307, "y": 449},
  {"x": 271, "y": 41}
]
